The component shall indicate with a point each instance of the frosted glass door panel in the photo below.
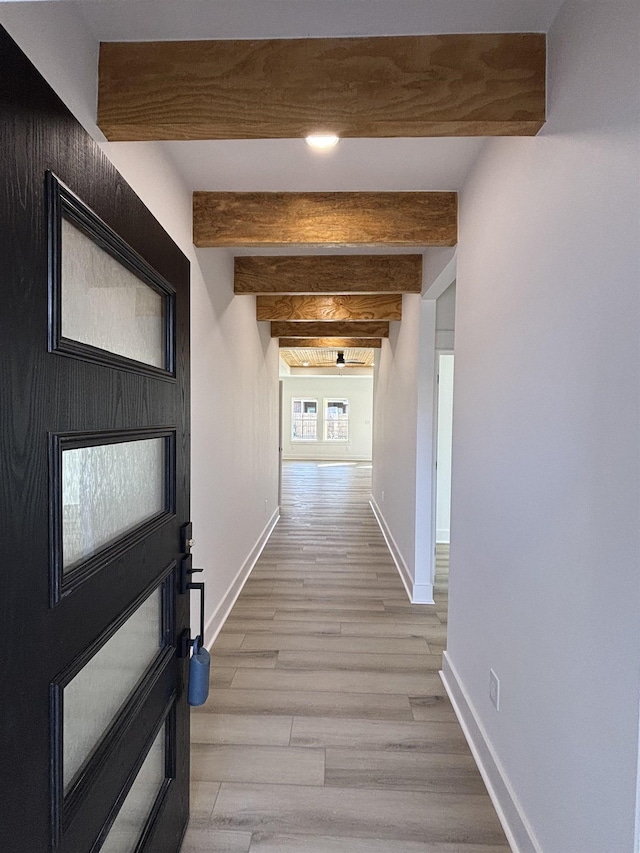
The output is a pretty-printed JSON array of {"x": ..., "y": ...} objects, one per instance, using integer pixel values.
[
  {"x": 105, "y": 305},
  {"x": 94, "y": 696},
  {"x": 129, "y": 823},
  {"x": 107, "y": 490}
]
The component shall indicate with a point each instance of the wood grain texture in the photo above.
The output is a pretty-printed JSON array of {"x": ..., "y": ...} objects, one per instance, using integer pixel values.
[
  {"x": 388, "y": 767},
  {"x": 333, "y": 329},
  {"x": 328, "y": 274},
  {"x": 38, "y": 133},
  {"x": 331, "y": 343},
  {"x": 325, "y": 219},
  {"x": 326, "y": 357},
  {"x": 361, "y": 307},
  {"x": 479, "y": 84}
]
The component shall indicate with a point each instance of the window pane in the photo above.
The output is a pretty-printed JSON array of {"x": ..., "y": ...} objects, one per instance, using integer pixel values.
[
  {"x": 304, "y": 420},
  {"x": 336, "y": 420},
  {"x": 105, "y": 305},
  {"x": 94, "y": 696},
  {"x": 107, "y": 490},
  {"x": 129, "y": 823}
]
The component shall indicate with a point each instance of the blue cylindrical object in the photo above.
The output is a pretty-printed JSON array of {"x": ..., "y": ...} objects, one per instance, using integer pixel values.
[{"x": 199, "y": 669}]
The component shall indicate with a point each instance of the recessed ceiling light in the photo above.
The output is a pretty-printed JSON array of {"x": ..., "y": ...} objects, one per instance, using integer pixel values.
[
  {"x": 305, "y": 364},
  {"x": 322, "y": 141}
]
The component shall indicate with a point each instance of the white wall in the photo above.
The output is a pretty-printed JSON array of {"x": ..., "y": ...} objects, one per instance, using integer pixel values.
[
  {"x": 446, "y": 310},
  {"x": 234, "y": 364},
  {"x": 544, "y": 578},
  {"x": 359, "y": 392},
  {"x": 443, "y": 455},
  {"x": 403, "y": 443}
]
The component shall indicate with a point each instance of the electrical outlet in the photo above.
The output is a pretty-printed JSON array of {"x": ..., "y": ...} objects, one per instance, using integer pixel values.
[{"x": 494, "y": 689}]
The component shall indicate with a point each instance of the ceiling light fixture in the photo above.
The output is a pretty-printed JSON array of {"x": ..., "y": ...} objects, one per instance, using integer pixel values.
[
  {"x": 340, "y": 362},
  {"x": 322, "y": 141}
]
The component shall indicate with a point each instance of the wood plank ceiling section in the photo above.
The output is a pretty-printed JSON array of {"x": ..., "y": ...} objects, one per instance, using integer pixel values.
[
  {"x": 325, "y": 219},
  {"x": 330, "y": 343},
  {"x": 315, "y": 357},
  {"x": 479, "y": 84},
  {"x": 328, "y": 274}
]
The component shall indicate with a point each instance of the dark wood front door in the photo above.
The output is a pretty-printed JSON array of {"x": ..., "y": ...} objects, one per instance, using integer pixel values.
[{"x": 94, "y": 492}]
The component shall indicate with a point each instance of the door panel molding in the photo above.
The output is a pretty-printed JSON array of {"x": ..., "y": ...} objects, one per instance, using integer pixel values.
[
  {"x": 61, "y": 583},
  {"x": 51, "y": 393},
  {"x": 169, "y": 721},
  {"x": 65, "y": 807},
  {"x": 64, "y": 203}
]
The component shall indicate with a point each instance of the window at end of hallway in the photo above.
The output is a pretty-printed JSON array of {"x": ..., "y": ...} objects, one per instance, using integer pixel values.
[
  {"x": 336, "y": 420},
  {"x": 304, "y": 419}
]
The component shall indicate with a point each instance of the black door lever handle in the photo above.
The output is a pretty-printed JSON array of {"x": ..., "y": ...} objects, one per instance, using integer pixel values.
[
  {"x": 186, "y": 570},
  {"x": 186, "y": 585}
]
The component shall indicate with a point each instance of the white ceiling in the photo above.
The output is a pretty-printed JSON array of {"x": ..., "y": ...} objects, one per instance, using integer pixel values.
[
  {"x": 354, "y": 164},
  {"x": 289, "y": 165},
  {"x": 226, "y": 19}
]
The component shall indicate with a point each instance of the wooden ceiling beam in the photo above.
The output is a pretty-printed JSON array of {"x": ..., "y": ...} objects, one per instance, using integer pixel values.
[
  {"x": 325, "y": 219},
  {"x": 337, "y": 328},
  {"x": 357, "y": 307},
  {"x": 478, "y": 84},
  {"x": 330, "y": 343},
  {"x": 328, "y": 274}
]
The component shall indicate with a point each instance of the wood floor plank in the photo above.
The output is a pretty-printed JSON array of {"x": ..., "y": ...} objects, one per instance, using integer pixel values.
[
  {"x": 291, "y": 603},
  {"x": 237, "y": 657},
  {"x": 339, "y": 682},
  {"x": 202, "y": 797},
  {"x": 431, "y": 708},
  {"x": 326, "y": 577},
  {"x": 241, "y": 729},
  {"x": 203, "y": 839},
  {"x": 262, "y": 842},
  {"x": 241, "y": 763},
  {"x": 409, "y": 771},
  {"x": 398, "y": 737},
  {"x": 403, "y": 815},
  {"x": 221, "y": 676},
  {"x": 387, "y": 627},
  {"x": 369, "y": 706},
  {"x": 339, "y": 644},
  {"x": 227, "y": 640},
  {"x": 255, "y": 626},
  {"x": 358, "y": 661},
  {"x": 328, "y": 729}
]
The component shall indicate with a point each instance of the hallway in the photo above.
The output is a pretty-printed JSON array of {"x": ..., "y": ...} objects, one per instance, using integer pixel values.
[{"x": 328, "y": 729}]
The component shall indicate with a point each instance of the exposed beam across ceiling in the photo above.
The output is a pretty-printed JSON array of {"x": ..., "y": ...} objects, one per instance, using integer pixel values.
[
  {"x": 330, "y": 343},
  {"x": 325, "y": 219},
  {"x": 328, "y": 274},
  {"x": 479, "y": 84},
  {"x": 356, "y": 307},
  {"x": 346, "y": 329}
]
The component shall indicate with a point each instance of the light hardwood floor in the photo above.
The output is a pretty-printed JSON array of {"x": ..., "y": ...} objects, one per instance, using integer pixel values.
[{"x": 328, "y": 729}]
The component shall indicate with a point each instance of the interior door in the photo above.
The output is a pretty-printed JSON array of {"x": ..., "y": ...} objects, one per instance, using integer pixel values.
[{"x": 94, "y": 493}]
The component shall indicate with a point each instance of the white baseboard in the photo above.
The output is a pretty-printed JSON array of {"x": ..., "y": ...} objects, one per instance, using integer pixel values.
[
  {"x": 219, "y": 616},
  {"x": 519, "y": 834},
  {"x": 418, "y": 593}
]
